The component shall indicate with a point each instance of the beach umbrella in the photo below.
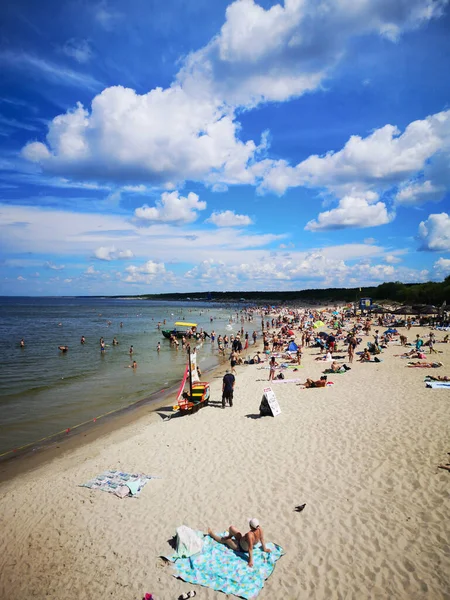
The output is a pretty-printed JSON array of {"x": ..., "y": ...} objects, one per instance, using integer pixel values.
[
  {"x": 318, "y": 324},
  {"x": 429, "y": 309},
  {"x": 405, "y": 310}
]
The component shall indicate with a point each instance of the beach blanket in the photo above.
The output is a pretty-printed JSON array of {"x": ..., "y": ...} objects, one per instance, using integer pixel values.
[
  {"x": 285, "y": 380},
  {"x": 117, "y": 482},
  {"x": 222, "y": 569},
  {"x": 438, "y": 384}
]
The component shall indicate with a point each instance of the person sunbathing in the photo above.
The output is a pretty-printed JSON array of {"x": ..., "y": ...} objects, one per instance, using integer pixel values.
[
  {"x": 437, "y": 378},
  {"x": 310, "y": 383},
  {"x": 243, "y": 543},
  {"x": 365, "y": 356},
  {"x": 433, "y": 365}
]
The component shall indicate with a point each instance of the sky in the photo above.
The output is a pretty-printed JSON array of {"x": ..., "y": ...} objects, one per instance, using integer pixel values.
[{"x": 189, "y": 145}]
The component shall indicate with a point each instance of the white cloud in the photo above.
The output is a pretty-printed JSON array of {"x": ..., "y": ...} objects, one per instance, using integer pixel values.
[
  {"x": 286, "y": 50},
  {"x": 414, "y": 194},
  {"x": 111, "y": 253},
  {"x": 146, "y": 273},
  {"x": 383, "y": 159},
  {"x": 369, "y": 240},
  {"x": 435, "y": 233},
  {"x": 40, "y": 68},
  {"x": 229, "y": 218},
  {"x": 78, "y": 49},
  {"x": 172, "y": 208},
  {"x": 320, "y": 268},
  {"x": 442, "y": 267},
  {"x": 352, "y": 211},
  {"x": 91, "y": 271},
  {"x": 50, "y": 265},
  {"x": 392, "y": 259},
  {"x": 20, "y": 278},
  {"x": 189, "y": 131},
  {"x": 163, "y": 137},
  {"x": 68, "y": 280}
]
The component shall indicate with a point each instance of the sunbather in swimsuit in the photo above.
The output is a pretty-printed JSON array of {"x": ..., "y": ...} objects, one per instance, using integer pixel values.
[{"x": 245, "y": 543}]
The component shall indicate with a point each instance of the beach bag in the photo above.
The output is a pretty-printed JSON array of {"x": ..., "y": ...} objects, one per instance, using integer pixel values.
[
  {"x": 264, "y": 408},
  {"x": 280, "y": 376}
]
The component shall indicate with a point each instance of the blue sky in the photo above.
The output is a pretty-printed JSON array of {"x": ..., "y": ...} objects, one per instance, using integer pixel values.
[{"x": 153, "y": 147}]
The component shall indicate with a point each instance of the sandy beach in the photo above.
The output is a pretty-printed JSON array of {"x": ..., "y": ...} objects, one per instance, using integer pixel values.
[{"x": 362, "y": 454}]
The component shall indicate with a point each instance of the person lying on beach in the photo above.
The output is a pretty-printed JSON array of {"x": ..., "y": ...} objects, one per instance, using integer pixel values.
[
  {"x": 337, "y": 368},
  {"x": 419, "y": 365},
  {"x": 437, "y": 378},
  {"x": 411, "y": 354},
  {"x": 243, "y": 543},
  {"x": 326, "y": 358},
  {"x": 310, "y": 383}
]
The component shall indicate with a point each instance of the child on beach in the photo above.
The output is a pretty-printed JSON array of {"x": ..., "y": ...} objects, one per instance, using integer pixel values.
[{"x": 272, "y": 368}]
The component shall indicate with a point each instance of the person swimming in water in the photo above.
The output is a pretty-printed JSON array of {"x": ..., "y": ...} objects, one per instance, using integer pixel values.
[
  {"x": 63, "y": 348},
  {"x": 83, "y": 340}
]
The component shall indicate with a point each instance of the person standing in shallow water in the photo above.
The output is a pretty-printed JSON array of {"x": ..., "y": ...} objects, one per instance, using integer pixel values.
[{"x": 22, "y": 343}]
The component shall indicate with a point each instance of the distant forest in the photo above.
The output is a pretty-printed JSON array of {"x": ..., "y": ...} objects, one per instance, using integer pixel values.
[{"x": 404, "y": 293}]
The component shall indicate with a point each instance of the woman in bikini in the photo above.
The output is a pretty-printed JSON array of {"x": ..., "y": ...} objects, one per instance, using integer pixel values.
[{"x": 243, "y": 543}]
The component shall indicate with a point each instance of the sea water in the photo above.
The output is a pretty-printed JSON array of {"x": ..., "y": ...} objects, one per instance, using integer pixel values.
[{"x": 44, "y": 391}]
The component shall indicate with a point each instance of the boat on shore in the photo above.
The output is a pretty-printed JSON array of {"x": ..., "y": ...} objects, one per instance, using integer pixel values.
[{"x": 189, "y": 330}]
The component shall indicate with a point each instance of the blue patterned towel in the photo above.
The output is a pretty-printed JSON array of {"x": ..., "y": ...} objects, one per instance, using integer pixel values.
[
  {"x": 222, "y": 569},
  {"x": 111, "y": 481}
]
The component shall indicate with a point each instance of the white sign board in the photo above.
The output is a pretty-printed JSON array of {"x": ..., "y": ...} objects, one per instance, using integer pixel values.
[{"x": 272, "y": 400}]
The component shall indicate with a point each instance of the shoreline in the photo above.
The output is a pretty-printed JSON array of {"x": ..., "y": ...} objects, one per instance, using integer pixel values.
[{"x": 15, "y": 462}]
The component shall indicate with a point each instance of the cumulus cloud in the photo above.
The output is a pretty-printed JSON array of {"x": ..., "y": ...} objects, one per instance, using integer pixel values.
[
  {"x": 414, "y": 194},
  {"x": 90, "y": 271},
  {"x": 383, "y": 159},
  {"x": 434, "y": 233},
  {"x": 80, "y": 50},
  {"x": 163, "y": 137},
  {"x": 442, "y": 267},
  {"x": 172, "y": 208},
  {"x": 353, "y": 211},
  {"x": 146, "y": 273},
  {"x": 228, "y": 218},
  {"x": 189, "y": 130},
  {"x": 321, "y": 268},
  {"x": 50, "y": 265},
  {"x": 391, "y": 259},
  {"x": 111, "y": 253},
  {"x": 288, "y": 49}
]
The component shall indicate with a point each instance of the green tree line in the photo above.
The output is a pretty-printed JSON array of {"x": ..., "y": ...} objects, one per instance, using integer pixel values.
[{"x": 405, "y": 293}]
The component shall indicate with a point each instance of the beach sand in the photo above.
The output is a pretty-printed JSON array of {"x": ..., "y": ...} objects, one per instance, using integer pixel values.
[{"x": 362, "y": 454}]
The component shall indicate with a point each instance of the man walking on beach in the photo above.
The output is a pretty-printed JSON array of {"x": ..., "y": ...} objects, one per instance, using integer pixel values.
[{"x": 227, "y": 388}]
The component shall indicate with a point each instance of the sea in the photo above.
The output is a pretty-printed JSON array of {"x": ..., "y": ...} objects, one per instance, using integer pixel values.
[{"x": 44, "y": 391}]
